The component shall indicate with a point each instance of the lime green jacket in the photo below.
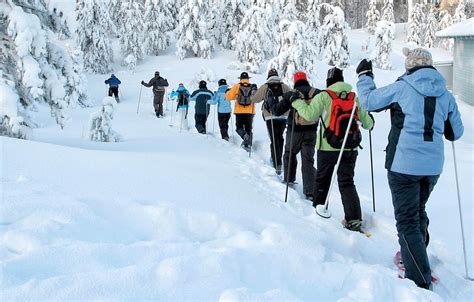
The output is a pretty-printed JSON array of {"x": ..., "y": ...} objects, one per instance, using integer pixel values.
[{"x": 320, "y": 104}]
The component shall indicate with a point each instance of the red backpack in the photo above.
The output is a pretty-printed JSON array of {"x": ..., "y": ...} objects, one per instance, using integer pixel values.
[{"x": 341, "y": 109}]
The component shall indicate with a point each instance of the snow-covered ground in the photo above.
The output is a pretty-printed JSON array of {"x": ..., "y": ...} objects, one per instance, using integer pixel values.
[{"x": 177, "y": 215}]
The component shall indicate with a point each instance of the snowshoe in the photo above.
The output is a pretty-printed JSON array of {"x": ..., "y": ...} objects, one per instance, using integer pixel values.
[
  {"x": 245, "y": 147},
  {"x": 355, "y": 226},
  {"x": 397, "y": 260},
  {"x": 117, "y": 99}
]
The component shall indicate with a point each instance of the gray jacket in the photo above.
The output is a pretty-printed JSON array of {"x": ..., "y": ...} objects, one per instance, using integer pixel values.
[{"x": 262, "y": 94}]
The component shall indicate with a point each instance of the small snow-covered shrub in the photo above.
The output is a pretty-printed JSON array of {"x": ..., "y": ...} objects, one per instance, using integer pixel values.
[
  {"x": 101, "y": 122},
  {"x": 130, "y": 62}
]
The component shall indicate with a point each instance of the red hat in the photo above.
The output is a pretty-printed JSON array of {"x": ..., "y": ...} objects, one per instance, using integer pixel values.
[
  {"x": 299, "y": 75},
  {"x": 180, "y": 84}
]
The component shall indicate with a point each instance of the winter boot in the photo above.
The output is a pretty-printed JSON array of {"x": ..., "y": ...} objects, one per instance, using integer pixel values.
[
  {"x": 278, "y": 169},
  {"x": 247, "y": 140},
  {"x": 353, "y": 225}
]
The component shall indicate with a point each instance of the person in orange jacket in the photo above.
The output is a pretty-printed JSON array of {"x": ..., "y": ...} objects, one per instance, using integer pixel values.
[{"x": 244, "y": 109}]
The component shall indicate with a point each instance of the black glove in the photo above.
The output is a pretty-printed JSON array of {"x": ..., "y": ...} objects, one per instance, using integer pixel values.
[
  {"x": 365, "y": 67},
  {"x": 143, "y": 83},
  {"x": 254, "y": 86},
  {"x": 294, "y": 96},
  {"x": 373, "y": 120}
]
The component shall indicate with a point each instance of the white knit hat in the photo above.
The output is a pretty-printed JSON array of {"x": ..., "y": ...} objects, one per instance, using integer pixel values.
[{"x": 417, "y": 57}]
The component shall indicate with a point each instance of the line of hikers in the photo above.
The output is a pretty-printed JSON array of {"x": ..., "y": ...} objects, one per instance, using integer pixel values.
[{"x": 422, "y": 111}]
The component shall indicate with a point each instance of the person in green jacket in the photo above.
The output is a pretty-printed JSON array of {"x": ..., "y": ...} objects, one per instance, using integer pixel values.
[{"x": 327, "y": 155}]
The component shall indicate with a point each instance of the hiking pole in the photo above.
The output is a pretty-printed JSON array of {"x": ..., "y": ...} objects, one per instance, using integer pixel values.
[
  {"x": 214, "y": 119},
  {"x": 323, "y": 210},
  {"x": 139, "y": 98},
  {"x": 166, "y": 101},
  {"x": 251, "y": 139},
  {"x": 460, "y": 216},
  {"x": 172, "y": 106},
  {"x": 289, "y": 153},
  {"x": 274, "y": 159},
  {"x": 233, "y": 129},
  {"x": 372, "y": 169}
]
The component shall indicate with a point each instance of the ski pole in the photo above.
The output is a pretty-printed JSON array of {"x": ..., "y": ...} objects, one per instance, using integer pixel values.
[
  {"x": 214, "y": 119},
  {"x": 166, "y": 101},
  {"x": 172, "y": 106},
  {"x": 251, "y": 138},
  {"x": 372, "y": 169},
  {"x": 274, "y": 159},
  {"x": 323, "y": 210},
  {"x": 208, "y": 109},
  {"x": 290, "y": 156},
  {"x": 460, "y": 216},
  {"x": 139, "y": 98},
  {"x": 233, "y": 128}
]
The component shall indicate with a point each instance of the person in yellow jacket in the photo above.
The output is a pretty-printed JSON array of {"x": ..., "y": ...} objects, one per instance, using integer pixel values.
[{"x": 244, "y": 109}]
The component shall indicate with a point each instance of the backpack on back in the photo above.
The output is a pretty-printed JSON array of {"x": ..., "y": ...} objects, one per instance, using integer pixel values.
[
  {"x": 182, "y": 98},
  {"x": 274, "y": 91},
  {"x": 299, "y": 120},
  {"x": 341, "y": 109},
  {"x": 245, "y": 93}
]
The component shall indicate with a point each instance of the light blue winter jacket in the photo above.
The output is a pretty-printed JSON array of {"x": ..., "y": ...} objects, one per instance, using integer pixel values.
[
  {"x": 421, "y": 110},
  {"x": 223, "y": 105}
]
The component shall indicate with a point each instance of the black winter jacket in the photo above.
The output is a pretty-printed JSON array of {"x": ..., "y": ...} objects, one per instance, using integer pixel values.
[
  {"x": 201, "y": 96},
  {"x": 279, "y": 108},
  {"x": 158, "y": 83}
]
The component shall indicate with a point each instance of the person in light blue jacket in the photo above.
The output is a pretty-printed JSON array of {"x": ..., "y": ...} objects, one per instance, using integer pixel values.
[
  {"x": 422, "y": 110},
  {"x": 224, "y": 108}
]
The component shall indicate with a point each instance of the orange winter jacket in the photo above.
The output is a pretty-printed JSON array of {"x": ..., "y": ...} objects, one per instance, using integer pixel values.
[{"x": 231, "y": 95}]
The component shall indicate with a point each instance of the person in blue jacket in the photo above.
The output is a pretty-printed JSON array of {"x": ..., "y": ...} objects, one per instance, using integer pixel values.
[
  {"x": 113, "y": 83},
  {"x": 181, "y": 95},
  {"x": 224, "y": 108},
  {"x": 422, "y": 110},
  {"x": 201, "y": 108}
]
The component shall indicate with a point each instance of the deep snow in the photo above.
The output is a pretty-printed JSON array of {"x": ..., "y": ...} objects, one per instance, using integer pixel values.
[{"x": 177, "y": 215}]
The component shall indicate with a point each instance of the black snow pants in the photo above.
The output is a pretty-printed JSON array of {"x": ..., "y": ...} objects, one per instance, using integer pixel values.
[
  {"x": 243, "y": 124},
  {"x": 409, "y": 196},
  {"x": 158, "y": 101},
  {"x": 279, "y": 126},
  {"x": 345, "y": 178},
  {"x": 304, "y": 142},
  {"x": 200, "y": 122},
  {"x": 223, "y": 119},
  {"x": 113, "y": 90}
]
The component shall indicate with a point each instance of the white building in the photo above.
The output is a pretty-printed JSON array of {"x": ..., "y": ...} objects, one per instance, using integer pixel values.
[{"x": 463, "y": 58}]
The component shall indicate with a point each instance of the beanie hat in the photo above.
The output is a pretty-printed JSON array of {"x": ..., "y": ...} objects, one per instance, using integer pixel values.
[
  {"x": 299, "y": 75},
  {"x": 222, "y": 82},
  {"x": 244, "y": 75},
  {"x": 157, "y": 73},
  {"x": 202, "y": 84},
  {"x": 417, "y": 57},
  {"x": 334, "y": 75},
  {"x": 181, "y": 85},
  {"x": 272, "y": 73}
]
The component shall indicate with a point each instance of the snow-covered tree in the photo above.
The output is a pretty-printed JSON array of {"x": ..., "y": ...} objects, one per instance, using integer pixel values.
[
  {"x": 156, "y": 24},
  {"x": 416, "y": 25},
  {"x": 232, "y": 14},
  {"x": 313, "y": 24},
  {"x": 131, "y": 32},
  {"x": 100, "y": 129},
  {"x": 59, "y": 24},
  {"x": 296, "y": 51},
  {"x": 35, "y": 69},
  {"x": 92, "y": 37},
  {"x": 431, "y": 28},
  {"x": 115, "y": 8},
  {"x": 334, "y": 38},
  {"x": 384, "y": 34},
  {"x": 460, "y": 12},
  {"x": 289, "y": 12},
  {"x": 255, "y": 40},
  {"x": 387, "y": 11},
  {"x": 446, "y": 21},
  {"x": 193, "y": 36},
  {"x": 373, "y": 16}
]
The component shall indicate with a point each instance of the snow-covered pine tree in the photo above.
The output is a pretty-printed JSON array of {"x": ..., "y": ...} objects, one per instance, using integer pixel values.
[
  {"x": 446, "y": 21},
  {"x": 431, "y": 28},
  {"x": 214, "y": 24},
  {"x": 313, "y": 24},
  {"x": 387, "y": 11},
  {"x": 254, "y": 41},
  {"x": 131, "y": 33},
  {"x": 384, "y": 34},
  {"x": 92, "y": 37},
  {"x": 193, "y": 36},
  {"x": 334, "y": 38},
  {"x": 232, "y": 14},
  {"x": 296, "y": 51},
  {"x": 115, "y": 8},
  {"x": 156, "y": 23},
  {"x": 416, "y": 25},
  {"x": 289, "y": 12},
  {"x": 35, "y": 69},
  {"x": 460, "y": 12},
  {"x": 100, "y": 129},
  {"x": 373, "y": 16}
]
